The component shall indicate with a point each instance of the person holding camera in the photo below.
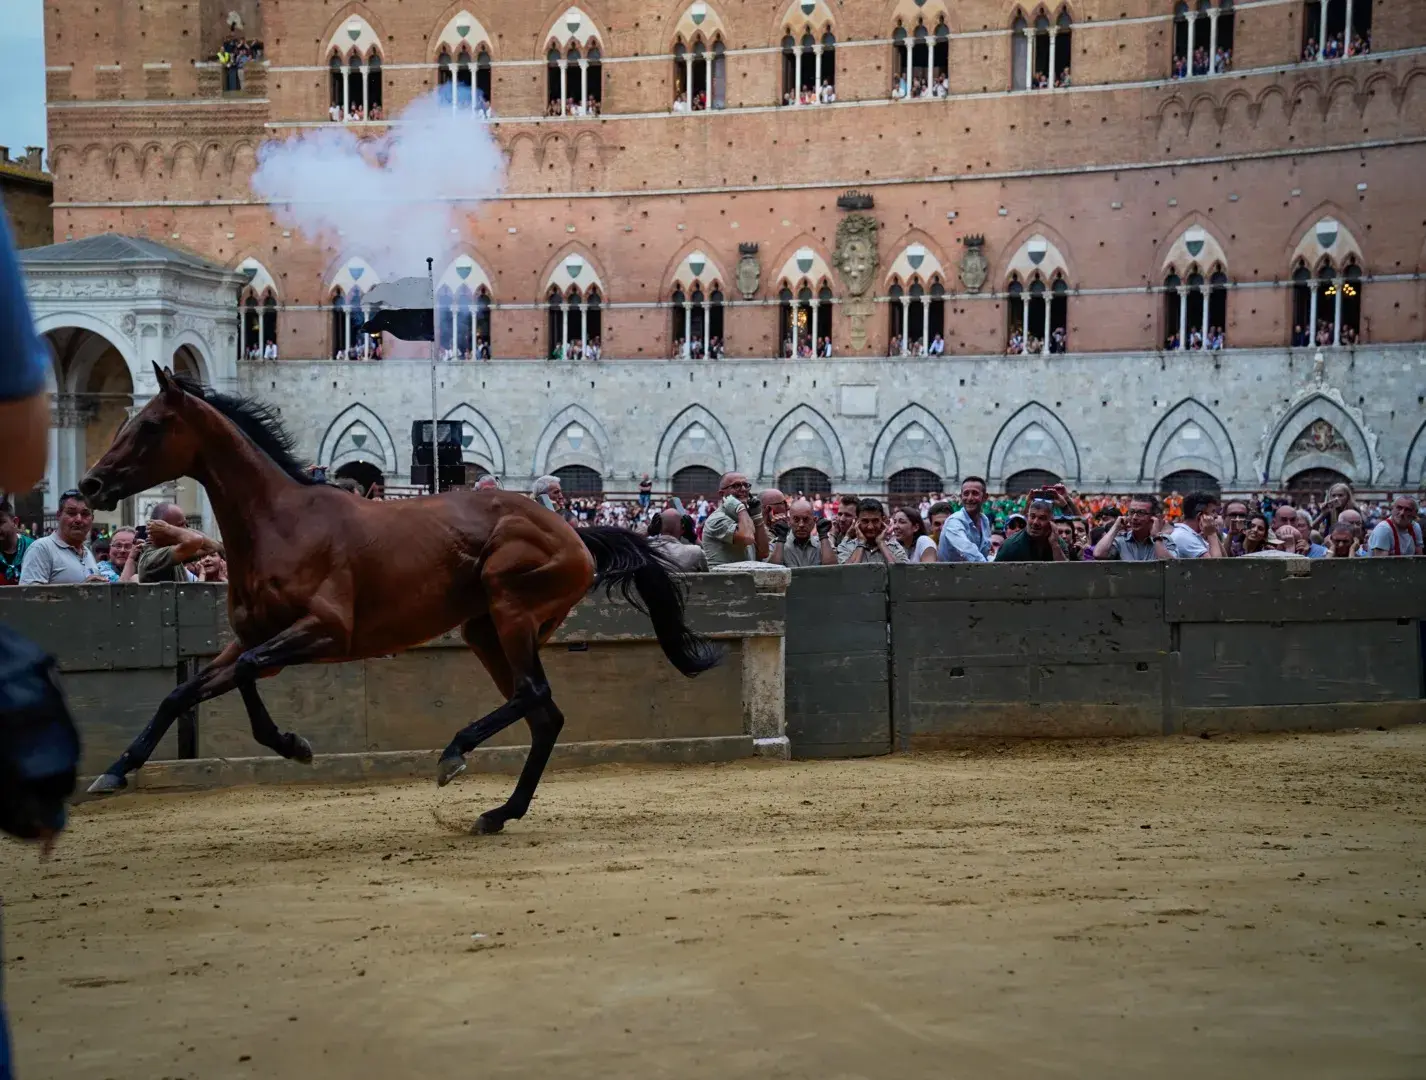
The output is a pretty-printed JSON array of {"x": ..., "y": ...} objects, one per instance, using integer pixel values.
[
  {"x": 802, "y": 540},
  {"x": 734, "y": 532},
  {"x": 870, "y": 543},
  {"x": 1196, "y": 536}
]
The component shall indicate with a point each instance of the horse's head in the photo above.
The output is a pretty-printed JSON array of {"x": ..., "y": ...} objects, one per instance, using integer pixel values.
[{"x": 157, "y": 445}]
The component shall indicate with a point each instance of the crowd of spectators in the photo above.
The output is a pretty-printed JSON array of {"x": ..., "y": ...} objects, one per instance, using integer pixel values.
[
  {"x": 575, "y": 349},
  {"x": 693, "y": 349},
  {"x": 1213, "y": 341},
  {"x": 354, "y": 114},
  {"x": 795, "y": 529},
  {"x": 1222, "y": 62},
  {"x": 1303, "y": 338},
  {"x": 804, "y": 347},
  {"x": 825, "y": 94},
  {"x": 1019, "y": 344},
  {"x": 573, "y": 107},
  {"x": 234, "y": 54},
  {"x": 1337, "y": 46}
]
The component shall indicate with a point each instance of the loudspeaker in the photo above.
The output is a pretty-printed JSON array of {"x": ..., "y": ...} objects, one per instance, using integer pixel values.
[
  {"x": 447, "y": 476},
  {"x": 447, "y": 433}
]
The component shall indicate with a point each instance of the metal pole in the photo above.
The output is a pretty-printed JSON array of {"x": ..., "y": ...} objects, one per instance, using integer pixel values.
[{"x": 435, "y": 352}]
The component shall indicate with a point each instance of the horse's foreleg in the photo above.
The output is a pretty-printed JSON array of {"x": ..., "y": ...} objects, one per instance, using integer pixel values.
[
  {"x": 287, "y": 743},
  {"x": 215, "y": 679}
]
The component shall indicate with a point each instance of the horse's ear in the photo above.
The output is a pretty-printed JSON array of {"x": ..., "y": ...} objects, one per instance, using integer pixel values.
[{"x": 167, "y": 386}]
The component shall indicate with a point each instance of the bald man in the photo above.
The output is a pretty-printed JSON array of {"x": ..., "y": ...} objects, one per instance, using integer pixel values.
[
  {"x": 666, "y": 537},
  {"x": 734, "y": 532},
  {"x": 807, "y": 544},
  {"x": 170, "y": 544},
  {"x": 774, "y": 505}
]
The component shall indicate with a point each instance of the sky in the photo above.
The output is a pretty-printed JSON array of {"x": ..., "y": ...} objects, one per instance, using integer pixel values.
[{"x": 22, "y": 75}]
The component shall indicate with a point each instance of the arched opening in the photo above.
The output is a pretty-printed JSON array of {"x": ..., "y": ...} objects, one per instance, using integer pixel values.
[
  {"x": 908, "y": 486},
  {"x": 695, "y": 481},
  {"x": 574, "y": 80},
  {"x": 579, "y": 481},
  {"x": 809, "y": 68},
  {"x": 1310, "y": 482},
  {"x": 805, "y": 321},
  {"x": 257, "y": 329},
  {"x": 1327, "y": 307},
  {"x": 1195, "y": 310},
  {"x": 355, "y": 84},
  {"x": 921, "y": 61},
  {"x": 1037, "y": 318},
  {"x": 697, "y": 331},
  {"x": 1040, "y": 52},
  {"x": 463, "y": 79},
  {"x": 1202, "y": 38},
  {"x": 1189, "y": 481},
  {"x": 699, "y": 79},
  {"x": 1028, "y": 480},
  {"x": 804, "y": 481},
  {"x": 576, "y": 324},
  {"x": 1332, "y": 29},
  {"x": 363, "y": 472},
  {"x": 350, "y": 341}
]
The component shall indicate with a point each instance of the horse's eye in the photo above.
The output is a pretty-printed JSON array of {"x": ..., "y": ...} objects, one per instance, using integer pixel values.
[{"x": 149, "y": 427}]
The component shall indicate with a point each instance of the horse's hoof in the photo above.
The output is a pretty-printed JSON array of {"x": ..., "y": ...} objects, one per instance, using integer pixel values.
[
  {"x": 485, "y": 825},
  {"x": 301, "y": 750},
  {"x": 448, "y": 768},
  {"x": 108, "y": 784}
]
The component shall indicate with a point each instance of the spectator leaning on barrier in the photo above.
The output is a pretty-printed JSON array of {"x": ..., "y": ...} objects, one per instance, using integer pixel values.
[
  {"x": 13, "y": 544},
  {"x": 803, "y": 540},
  {"x": 1036, "y": 542},
  {"x": 171, "y": 544},
  {"x": 734, "y": 532},
  {"x": 1196, "y": 536},
  {"x": 869, "y": 544},
  {"x": 63, "y": 557},
  {"x": 966, "y": 535},
  {"x": 1134, "y": 537},
  {"x": 667, "y": 533},
  {"x": 1399, "y": 534}
]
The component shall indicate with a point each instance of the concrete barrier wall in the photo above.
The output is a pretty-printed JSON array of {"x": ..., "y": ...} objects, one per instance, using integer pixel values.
[
  {"x": 925, "y": 656},
  {"x": 123, "y": 648}
]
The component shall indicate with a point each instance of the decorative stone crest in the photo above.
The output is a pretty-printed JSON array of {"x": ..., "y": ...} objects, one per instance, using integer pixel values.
[
  {"x": 749, "y": 273},
  {"x": 1320, "y": 437},
  {"x": 855, "y": 254},
  {"x": 975, "y": 267}
]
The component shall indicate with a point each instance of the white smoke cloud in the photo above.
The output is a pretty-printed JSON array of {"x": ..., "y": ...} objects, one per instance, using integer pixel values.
[{"x": 393, "y": 200}]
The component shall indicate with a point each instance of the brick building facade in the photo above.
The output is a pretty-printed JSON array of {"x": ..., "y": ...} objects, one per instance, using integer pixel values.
[{"x": 1120, "y": 205}]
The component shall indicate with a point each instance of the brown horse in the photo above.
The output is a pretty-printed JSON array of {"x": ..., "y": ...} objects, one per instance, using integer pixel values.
[{"x": 318, "y": 576}]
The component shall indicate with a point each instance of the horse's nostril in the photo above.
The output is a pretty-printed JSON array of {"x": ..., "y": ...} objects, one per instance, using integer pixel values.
[{"x": 90, "y": 487}]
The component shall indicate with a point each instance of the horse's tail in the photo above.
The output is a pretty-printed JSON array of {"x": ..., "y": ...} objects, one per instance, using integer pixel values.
[{"x": 626, "y": 561}]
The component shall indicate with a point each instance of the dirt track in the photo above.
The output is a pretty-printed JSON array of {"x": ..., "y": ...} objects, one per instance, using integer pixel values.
[{"x": 1177, "y": 908}]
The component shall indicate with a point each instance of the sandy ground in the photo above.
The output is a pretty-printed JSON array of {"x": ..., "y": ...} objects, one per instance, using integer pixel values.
[{"x": 1175, "y": 908}]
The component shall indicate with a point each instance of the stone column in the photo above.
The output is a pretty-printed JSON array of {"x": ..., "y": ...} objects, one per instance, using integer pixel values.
[
  {"x": 564, "y": 83},
  {"x": 1322, "y": 31},
  {"x": 583, "y": 82},
  {"x": 812, "y": 340},
  {"x": 1192, "y": 19},
  {"x": 1347, "y": 31},
  {"x": 1053, "y": 31},
  {"x": 926, "y": 322},
  {"x": 797, "y": 73},
  {"x": 564, "y": 328},
  {"x": 1183, "y": 316},
  {"x": 910, "y": 58},
  {"x": 1045, "y": 337},
  {"x": 583, "y": 322},
  {"x": 346, "y": 91},
  {"x": 1312, "y": 314},
  {"x": 688, "y": 80},
  {"x": 792, "y": 323},
  {"x": 1029, "y": 57},
  {"x": 365, "y": 92},
  {"x": 817, "y": 71},
  {"x": 1339, "y": 282},
  {"x": 1213, "y": 38},
  {"x": 706, "y": 305},
  {"x": 905, "y": 324}
]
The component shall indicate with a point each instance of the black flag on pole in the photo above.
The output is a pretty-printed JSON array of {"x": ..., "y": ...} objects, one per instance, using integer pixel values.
[{"x": 401, "y": 308}]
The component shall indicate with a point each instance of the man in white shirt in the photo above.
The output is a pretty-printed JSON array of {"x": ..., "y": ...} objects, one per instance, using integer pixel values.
[
  {"x": 63, "y": 557},
  {"x": 966, "y": 534}
]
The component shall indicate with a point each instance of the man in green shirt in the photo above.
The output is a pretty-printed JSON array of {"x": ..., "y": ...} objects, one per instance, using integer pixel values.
[
  {"x": 171, "y": 544},
  {"x": 12, "y": 545},
  {"x": 1036, "y": 541}
]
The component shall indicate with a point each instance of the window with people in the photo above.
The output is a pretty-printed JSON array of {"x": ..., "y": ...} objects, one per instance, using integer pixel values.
[
  {"x": 1334, "y": 29},
  {"x": 1327, "y": 303},
  {"x": 576, "y": 323},
  {"x": 697, "y": 330},
  {"x": 574, "y": 68},
  {"x": 809, "y": 67},
  {"x": 1037, "y": 315},
  {"x": 805, "y": 320},
  {"x": 1040, "y": 51},
  {"x": 463, "y": 322},
  {"x": 1202, "y": 38},
  {"x": 700, "y": 79},
  {"x": 257, "y": 330},
  {"x": 917, "y": 315},
  {"x": 355, "y": 86},
  {"x": 463, "y": 79},
  {"x": 920, "y": 61},
  {"x": 1195, "y": 310}
]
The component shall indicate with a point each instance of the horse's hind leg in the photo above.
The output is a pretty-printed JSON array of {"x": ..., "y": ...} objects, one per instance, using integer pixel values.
[
  {"x": 287, "y": 743},
  {"x": 546, "y": 721}
]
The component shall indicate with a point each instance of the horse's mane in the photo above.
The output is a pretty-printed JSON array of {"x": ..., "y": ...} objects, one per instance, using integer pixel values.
[{"x": 256, "y": 420}]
